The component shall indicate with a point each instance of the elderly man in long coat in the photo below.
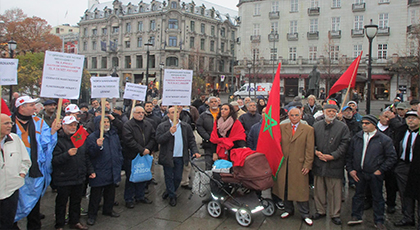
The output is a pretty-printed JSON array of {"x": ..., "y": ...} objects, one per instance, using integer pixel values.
[{"x": 292, "y": 184}]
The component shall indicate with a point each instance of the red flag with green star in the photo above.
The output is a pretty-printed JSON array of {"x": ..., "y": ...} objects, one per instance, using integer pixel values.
[
  {"x": 270, "y": 136},
  {"x": 79, "y": 137}
]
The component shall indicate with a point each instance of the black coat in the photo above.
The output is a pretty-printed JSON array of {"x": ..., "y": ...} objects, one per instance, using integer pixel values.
[
  {"x": 205, "y": 124},
  {"x": 166, "y": 141},
  {"x": 137, "y": 139},
  {"x": 248, "y": 120},
  {"x": 353, "y": 125},
  {"x": 413, "y": 182},
  {"x": 380, "y": 154},
  {"x": 69, "y": 170}
]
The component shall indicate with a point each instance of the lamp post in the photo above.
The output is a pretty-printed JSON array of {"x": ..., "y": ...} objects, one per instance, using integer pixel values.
[
  {"x": 12, "y": 47},
  {"x": 273, "y": 36},
  {"x": 249, "y": 66},
  {"x": 255, "y": 78},
  {"x": 161, "y": 65},
  {"x": 371, "y": 31},
  {"x": 147, "y": 64}
]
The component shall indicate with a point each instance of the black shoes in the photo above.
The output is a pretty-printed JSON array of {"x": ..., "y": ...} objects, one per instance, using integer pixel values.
[
  {"x": 129, "y": 205},
  {"x": 90, "y": 221},
  {"x": 165, "y": 195},
  {"x": 390, "y": 209},
  {"x": 188, "y": 187},
  {"x": 112, "y": 214},
  {"x": 172, "y": 201},
  {"x": 336, "y": 220},
  {"x": 144, "y": 201},
  {"x": 318, "y": 216},
  {"x": 403, "y": 223}
]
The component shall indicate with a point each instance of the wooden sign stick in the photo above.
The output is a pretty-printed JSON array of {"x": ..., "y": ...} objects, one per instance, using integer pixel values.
[
  {"x": 132, "y": 109},
  {"x": 103, "y": 100},
  {"x": 58, "y": 115},
  {"x": 175, "y": 121}
]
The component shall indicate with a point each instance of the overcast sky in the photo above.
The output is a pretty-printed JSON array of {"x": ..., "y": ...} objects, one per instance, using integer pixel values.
[{"x": 54, "y": 11}]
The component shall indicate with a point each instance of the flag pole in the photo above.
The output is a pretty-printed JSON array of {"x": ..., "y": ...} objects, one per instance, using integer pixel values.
[
  {"x": 132, "y": 109},
  {"x": 348, "y": 88}
]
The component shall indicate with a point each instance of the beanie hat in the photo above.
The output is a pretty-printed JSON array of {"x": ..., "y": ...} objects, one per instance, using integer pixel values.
[
  {"x": 372, "y": 119},
  {"x": 330, "y": 106}
]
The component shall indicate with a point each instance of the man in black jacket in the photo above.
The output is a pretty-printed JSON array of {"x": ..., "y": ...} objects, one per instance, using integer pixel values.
[
  {"x": 369, "y": 156},
  {"x": 176, "y": 141},
  {"x": 251, "y": 117},
  {"x": 138, "y": 138},
  {"x": 70, "y": 167}
]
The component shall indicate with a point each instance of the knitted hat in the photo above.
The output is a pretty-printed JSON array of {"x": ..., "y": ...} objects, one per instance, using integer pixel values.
[
  {"x": 330, "y": 106},
  {"x": 372, "y": 119}
]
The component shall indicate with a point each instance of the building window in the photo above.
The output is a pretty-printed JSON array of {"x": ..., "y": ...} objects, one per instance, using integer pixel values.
[
  {"x": 256, "y": 29},
  {"x": 212, "y": 46},
  {"x": 275, "y": 6},
  {"x": 106, "y": 14},
  {"x": 202, "y": 11},
  {"x": 275, "y": 26},
  {"x": 334, "y": 50},
  {"x": 292, "y": 53},
  {"x": 212, "y": 31},
  {"x": 293, "y": 27},
  {"x": 93, "y": 45},
  {"x": 232, "y": 35},
  {"x": 211, "y": 64},
  {"x": 174, "y": 5},
  {"x": 203, "y": 28},
  {"x": 312, "y": 53},
  {"x": 128, "y": 27},
  {"x": 104, "y": 31},
  {"x": 152, "y": 62},
  {"x": 294, "y": 5},
  {"x": 222, "y": 66},
  {"x": 94, "y": 32},
  {"x": 192, "y": 26},
  {"x": 115, "y": 29},
  {"x": 128, "y": 62},
  {"x": 335, "y": 26},
  {"x": 191, "y": 42},
  {"x": 127, "y": 44},
  {"x": 139, "y": 61},
  {"x": 223, "y": 32},
  {"x": 85, "y": 33},
  {"x": 94, "y": 63},
  {"x": 313, "y": 25},
  {"x": 383, "y": 20},
  {"x": 314, "y": 3},
  {"x": 173, "y": 41},
  {"x": 336, "y": 3},
  {"x": 257, "y": 8},
  {"x": 141, "y": 9},
  {"x": 140, "y": 26},
  {"x": 222, "y": 47},
  {"x": 84, "y": 46},
  {"x": 115, "y": 62},
  {"x": 172, "y": 61},
  {"x": 140, "y": 41},
  {"x": 173, "y": 24},
  {"x": 104, "y": 63},
  {"x": 154, "y": 7},
  {"x": 152, "y": 40},
  {"x": 358, "y": 22},
  {"x": 152, "y": 24},
  {"x": 202, "y": 42},
  {"x": 382, "y": 51},
  {"x": 130, "y": 11},
  {"x": 357, "y": 49}
]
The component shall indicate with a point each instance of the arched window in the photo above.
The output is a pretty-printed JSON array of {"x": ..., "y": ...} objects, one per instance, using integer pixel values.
[
  {"x": 154, "y": 7},
  {"x": 174, "y": 5},
  {"x": 172, "y": 61},
  {"x": 141, "y": 9}
]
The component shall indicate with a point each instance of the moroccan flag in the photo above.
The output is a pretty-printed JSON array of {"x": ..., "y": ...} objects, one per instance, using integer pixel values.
[
  {"x": 348, "y": 77},
  {"x": 270, "y": 136},
  {"x": 79, "y": 137}
]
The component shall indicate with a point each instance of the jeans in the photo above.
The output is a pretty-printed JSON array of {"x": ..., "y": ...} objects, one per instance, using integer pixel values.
[
  {"x": 132, "y": 191},
  {"x": 173, "y": 176},
  {"x": 74, "y": 192},
  {"x": 375, "y": 182}
]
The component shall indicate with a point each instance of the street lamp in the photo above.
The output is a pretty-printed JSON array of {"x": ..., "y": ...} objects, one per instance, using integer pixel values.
[
  {"x": 249, "y": 66},
  {"x": 371, "y": 31},
  {"x": 147, "y": 64},
  {"x": 273, "y": 36},
  {"x": 12, "y": 47},
  {"x": 161, "y": 65}
]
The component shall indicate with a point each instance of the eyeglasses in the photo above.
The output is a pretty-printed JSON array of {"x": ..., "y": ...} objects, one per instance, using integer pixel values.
[{"x": 9, "y": 123}]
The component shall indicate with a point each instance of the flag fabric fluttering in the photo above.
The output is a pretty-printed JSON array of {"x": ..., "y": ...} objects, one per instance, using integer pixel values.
[
  {"x": 79, "y": 137},
  {"x": 348, "y": 77},
  {"x": 103, "y": 46},
  {"x": 270, "y": 136}
]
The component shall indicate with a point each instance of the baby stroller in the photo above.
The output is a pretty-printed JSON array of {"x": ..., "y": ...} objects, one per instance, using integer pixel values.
[{"x": 240, "y": 190}]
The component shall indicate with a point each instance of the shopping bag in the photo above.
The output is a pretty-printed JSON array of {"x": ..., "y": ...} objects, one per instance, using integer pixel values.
[{"x": 140, "y": 168}]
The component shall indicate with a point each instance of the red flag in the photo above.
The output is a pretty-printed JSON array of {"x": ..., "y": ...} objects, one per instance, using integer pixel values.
[
  {"x": 348, "y": 77},
  {"x": 79, "y": 137},
  {"x": 4, "y": 108},
  {"x": 270, "y": 136}
]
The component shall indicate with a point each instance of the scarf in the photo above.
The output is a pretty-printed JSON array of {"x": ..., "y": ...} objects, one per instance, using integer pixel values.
[
  {"x": 224, "y": 126},
  {"x": 34, "y": 171},
  {"x": 226, "y": 143}
]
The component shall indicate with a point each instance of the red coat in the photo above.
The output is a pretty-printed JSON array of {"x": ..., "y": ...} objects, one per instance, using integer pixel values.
[{"x": 224, "y": 144}]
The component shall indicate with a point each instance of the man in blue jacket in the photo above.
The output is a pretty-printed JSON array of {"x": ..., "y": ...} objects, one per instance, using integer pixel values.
[{"x": 370, "y": 155}]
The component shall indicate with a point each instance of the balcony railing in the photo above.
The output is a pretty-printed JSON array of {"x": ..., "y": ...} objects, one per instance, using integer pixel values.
[
  {"x": 357, "y": 32},
  {"x": 384, "y": 31},
  {"x": 255, "y": 38},
  {"x": 413, "y": 2},
  {"x": 313, "y": 35},
  {"x": 292, "y": 36},
  {"x": 359, "y": 7},
  {"x": 313, "y": 11},
  {"x": 274, "y": 15},
  {"x": 335, "y": 33},
  {"x": 273, "y": 38}
]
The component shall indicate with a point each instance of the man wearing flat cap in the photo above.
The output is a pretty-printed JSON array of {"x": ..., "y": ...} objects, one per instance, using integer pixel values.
[
  {"x": 331, "y": 142},
  {"x": 369, "y": 156},
  {"x": 407, "y": 145},
  {"x": 402, "y": 109},
  {"x": 49, "y": 112}
]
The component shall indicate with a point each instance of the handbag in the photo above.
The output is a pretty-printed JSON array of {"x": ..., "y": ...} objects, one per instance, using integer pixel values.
[{"x": 140, "y": 168}]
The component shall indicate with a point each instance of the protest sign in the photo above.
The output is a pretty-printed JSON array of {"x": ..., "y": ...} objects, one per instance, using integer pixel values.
[
  {"x": 62, "y": 75},
  {"x": 135, "y": 92},
  {"x": 177, "y": 87},
  {"x": 8, "y": 71},
  {"x": 105, "y": 87}
]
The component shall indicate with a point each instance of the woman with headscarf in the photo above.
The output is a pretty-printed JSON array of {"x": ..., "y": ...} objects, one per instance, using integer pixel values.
[{"x": 261, "y": 105}]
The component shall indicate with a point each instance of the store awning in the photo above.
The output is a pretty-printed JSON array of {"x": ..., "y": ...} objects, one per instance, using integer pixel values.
[{"x": 380, "y": 77}]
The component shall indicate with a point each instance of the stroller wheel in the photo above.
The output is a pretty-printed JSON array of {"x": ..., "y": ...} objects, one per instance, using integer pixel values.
[
  {"x": 243, "y": 217},
  {"x": 214, "y": 208},
  {"x": 269, "y": 207}
]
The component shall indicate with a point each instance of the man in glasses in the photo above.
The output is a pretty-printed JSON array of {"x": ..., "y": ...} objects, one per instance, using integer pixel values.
[{"x": 370, "y": 155}]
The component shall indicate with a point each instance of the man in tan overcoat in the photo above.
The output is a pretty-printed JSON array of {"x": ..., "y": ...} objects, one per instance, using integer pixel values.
[{"x": 292, "y": 184}]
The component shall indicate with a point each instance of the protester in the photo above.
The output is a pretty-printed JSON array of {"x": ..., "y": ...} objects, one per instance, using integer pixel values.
[
  {"x": 49, "y": 112},
  {"x": 199, "y": 101},
  {"x": 175, "y": 143},
  {"x": 73, "y": 110},
  {"x": 13, "y": 102},
  {"x": 107, "y": 160},
  {"x": 251, "y": 117},
  {"x": 297, "y": 143},
  {"x": 85, "y": 116},
  {"x": 241, "y": 105},
  {"x": 71, "y": 165},
  {"x": 370, "y": 155},
  {"x": 15, "y": 166},
  {"x": 95, "y": 106},
  {"x": 118, "y": 113},
  {"x": 311, "y": 107},
  {"x": 39, "y": 140},
  {"x": 402, "y": 109},
  {"x": 261, "y": 104},
  {"x": 252, "y": 140},
  {"x": 239, "y": 112},
  {"x": 38, "y": 107}
]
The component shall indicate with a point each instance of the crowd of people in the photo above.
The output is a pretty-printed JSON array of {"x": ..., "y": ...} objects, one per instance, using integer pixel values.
[{"x": 326, "y": 146}]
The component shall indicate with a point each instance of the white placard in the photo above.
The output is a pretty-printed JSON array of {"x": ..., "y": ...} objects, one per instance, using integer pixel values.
[
  {"x": 8, "y": 71},
  {"x": 222, "y": 77},
  {"x": 62, "y": 75},
  {"x": 105, "y": 87},
  {"x": 177, "y": 86},
  {"x": 135, "y": 92}
]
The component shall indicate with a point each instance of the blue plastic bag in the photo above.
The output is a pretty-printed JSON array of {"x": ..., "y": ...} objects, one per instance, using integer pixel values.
[{"x": 140, "y": 168}]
